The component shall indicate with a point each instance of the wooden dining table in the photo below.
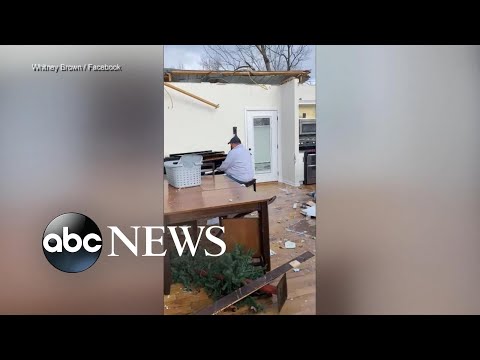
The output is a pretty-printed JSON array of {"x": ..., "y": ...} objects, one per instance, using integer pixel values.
[{"x": 217, "y": 196}]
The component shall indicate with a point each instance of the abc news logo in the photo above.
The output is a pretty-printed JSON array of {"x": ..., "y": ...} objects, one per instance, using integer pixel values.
[{"x": 72, "y": 242}]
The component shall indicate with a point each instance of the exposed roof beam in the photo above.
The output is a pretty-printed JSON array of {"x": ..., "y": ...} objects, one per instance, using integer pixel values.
[
  {"x": 239, "y": 73},
  {"x": 191, "y": 95}
]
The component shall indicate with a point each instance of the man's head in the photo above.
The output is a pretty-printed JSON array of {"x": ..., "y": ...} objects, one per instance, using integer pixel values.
[{"x": 234, "y": 142}]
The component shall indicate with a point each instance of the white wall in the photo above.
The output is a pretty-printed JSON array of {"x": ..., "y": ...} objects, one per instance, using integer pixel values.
[
  {"x": 398, "y": 196},
  {"x": 306, "y": 92},
  {"x": 288, "y": 146},
  {"x": 194, "y": 126}
]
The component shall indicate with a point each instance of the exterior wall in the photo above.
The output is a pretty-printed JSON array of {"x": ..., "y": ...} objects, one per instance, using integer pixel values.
[
  {"x": 191, "y": 125},
  {"x": 194, "y": 126},
  {"x": 306, "y": 92}
]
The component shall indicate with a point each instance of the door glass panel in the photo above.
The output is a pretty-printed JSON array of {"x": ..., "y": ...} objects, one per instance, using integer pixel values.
[{"x": 262, "y": 142}]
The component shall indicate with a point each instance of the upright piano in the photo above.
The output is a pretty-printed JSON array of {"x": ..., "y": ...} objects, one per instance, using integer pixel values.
[{"x": 210, "y": 158}]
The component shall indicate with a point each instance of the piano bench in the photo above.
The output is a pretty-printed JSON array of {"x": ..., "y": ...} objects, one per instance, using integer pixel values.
[{"x": 250, "y": 183}]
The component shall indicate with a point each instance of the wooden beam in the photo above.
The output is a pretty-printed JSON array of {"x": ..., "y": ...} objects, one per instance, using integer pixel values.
[
  {"x": 240, "y": 73},
  {"x": 191, "y": 95},
  {"x": 256, "y": 284}
]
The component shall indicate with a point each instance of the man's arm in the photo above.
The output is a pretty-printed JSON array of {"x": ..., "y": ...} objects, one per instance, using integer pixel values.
[{"x": 226, "y": 163}]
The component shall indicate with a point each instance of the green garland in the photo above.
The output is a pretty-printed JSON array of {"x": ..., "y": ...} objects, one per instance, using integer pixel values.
[{"x": 219, "y": 276}]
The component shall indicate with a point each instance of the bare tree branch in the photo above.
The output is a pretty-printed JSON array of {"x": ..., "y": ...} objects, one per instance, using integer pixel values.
[{"x": 256, "y": 57}]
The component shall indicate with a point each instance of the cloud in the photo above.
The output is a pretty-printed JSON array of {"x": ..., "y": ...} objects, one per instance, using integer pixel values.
[{"x": 188, "y": 56}]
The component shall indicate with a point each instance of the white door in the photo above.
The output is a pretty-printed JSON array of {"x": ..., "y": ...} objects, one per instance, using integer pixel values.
[{"x": 262, "y": 143}]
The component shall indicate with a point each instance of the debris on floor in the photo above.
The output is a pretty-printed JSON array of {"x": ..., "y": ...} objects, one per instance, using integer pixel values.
[
  {"x": 290, "y": 245},
  {"x": 287, "y": 223},
  {"x": 310, "y": 211},
  {"x": 303, "y": 228},
  {"x": 295, "y": 232},
  {"x": 241, "y": 293}
]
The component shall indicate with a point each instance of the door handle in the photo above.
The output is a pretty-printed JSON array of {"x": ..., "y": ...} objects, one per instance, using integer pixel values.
[{"x": 311, "y": 165}]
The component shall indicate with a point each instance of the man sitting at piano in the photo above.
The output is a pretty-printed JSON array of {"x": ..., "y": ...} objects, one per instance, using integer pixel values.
[{"x": 238, "y": 163}]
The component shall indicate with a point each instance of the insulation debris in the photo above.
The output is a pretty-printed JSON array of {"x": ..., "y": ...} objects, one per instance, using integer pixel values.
[
  {"x": 310, "y": 211},
  {"x": 290, "y": 245}
]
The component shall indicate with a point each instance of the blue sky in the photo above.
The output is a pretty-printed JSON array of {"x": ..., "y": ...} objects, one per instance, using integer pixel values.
[{"x": 190, "y": 55}]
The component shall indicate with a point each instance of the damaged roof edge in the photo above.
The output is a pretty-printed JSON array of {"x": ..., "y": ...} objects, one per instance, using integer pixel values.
[{"x": 235, "y": 77}]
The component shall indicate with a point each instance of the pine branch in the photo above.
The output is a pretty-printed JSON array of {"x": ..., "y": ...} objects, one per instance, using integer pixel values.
[{"x": 218, "y": 276}]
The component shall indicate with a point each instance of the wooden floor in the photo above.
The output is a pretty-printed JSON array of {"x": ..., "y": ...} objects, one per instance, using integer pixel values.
[{"x": 301, "y": 285}]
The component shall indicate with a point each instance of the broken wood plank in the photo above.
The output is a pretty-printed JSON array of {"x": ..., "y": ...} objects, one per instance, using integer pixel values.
[
  {"x": 256, "y": 284},
  {"x": 167, "y": 77},
  {"x": 191, "y": 95},
  {"x": 282, "y": 292}
]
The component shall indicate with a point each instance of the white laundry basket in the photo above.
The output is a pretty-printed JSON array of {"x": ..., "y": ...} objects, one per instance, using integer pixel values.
[{"x": 186, "y": 172}]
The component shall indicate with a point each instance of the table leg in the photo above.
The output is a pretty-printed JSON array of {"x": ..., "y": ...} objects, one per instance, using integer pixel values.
[
  {"x": 167, "y": 274},
  {"x": 194, "y": 225},
  {"x": 265, "y": 233}
]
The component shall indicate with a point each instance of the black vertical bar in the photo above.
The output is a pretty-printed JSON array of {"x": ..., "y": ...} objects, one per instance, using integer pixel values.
[{"x": 265, "y": 233}]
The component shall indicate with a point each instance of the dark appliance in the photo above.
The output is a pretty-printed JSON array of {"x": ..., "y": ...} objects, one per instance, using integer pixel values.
[
  {"x": 308, "y": 127},
  {"x": 307, "y": 142},
  {"x": 310, "y": 167}
]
